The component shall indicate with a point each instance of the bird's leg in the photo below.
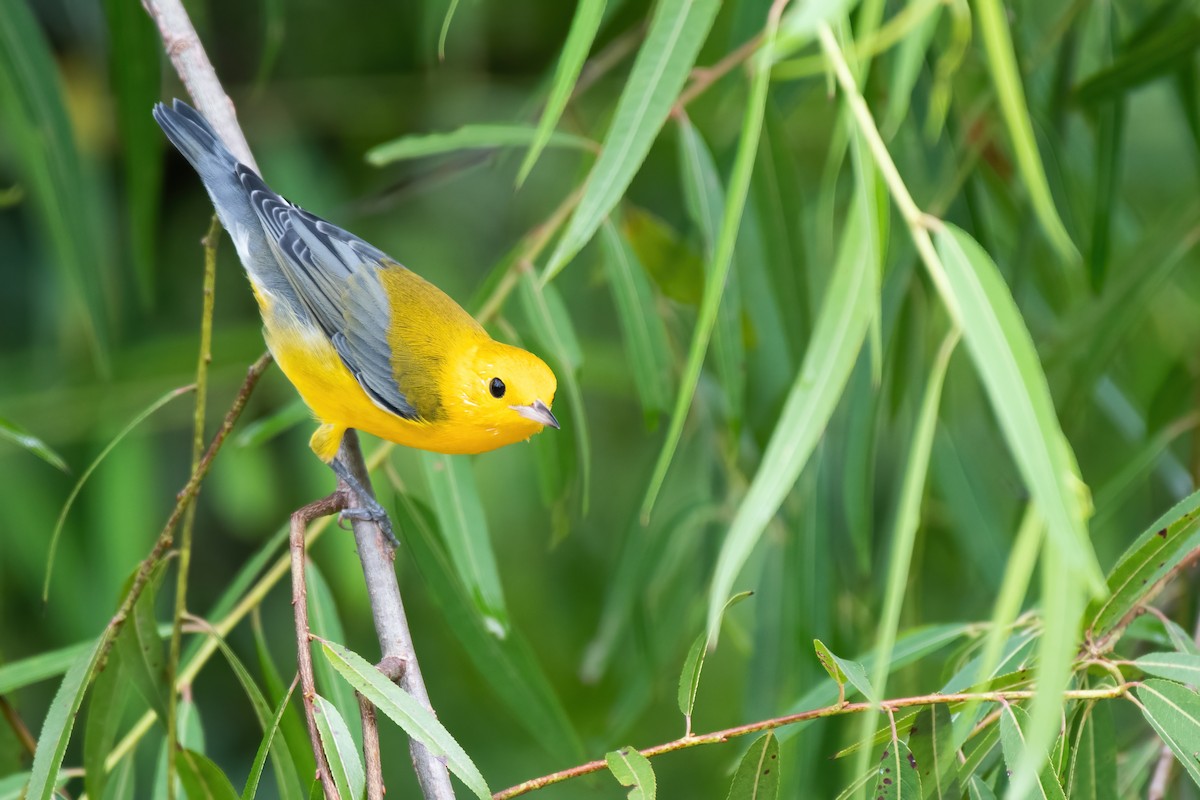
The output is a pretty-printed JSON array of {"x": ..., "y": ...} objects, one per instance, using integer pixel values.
[{"x": 370, "y": 510}]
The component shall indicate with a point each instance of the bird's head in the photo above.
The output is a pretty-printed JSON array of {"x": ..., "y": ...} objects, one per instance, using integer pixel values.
[{"x": 508, "y": 391}]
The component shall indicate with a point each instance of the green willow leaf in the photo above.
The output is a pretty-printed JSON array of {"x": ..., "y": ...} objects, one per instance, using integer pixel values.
[
  {"x": 757, "y": 776},
  {"x": 931, "y": 740},
  {"x": 1182, "y": 667},
  {"x": 1006, "y": 76},
  {"x": 468, "y": 137},
  {"x": 1008, "y": 365},
  {"x": 1014, "y": 721},
  {"x": 202, "y": 779},
  {"x": 633, "y": 769},
  {"x": 1174, "y": 713},
  {"x": 60, "y": 719},
  {"x": 1092, "y": 772},
  {"x": 584, "y": 26},
  {"x": 1157, "y": 551},
  {"x": 677, "y": 30},
  {"x": 464, "y": 528},
  {"x": 837, "y": 338},
  {"x": 897, "y": 777},
  {"x": 22, "y": 438},
  {"x": 642, "y": 328},
  {"x": 715, "y": 280},
  {"x": 403, "y": 709},
  {"x": 345, "y": 764}
]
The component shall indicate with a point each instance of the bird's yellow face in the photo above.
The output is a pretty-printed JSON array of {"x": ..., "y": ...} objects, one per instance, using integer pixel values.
[{"x": 504, "y": 392}]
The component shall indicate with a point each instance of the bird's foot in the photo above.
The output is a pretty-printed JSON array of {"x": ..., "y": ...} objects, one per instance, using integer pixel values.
[
  {"x": 372, "y": 511},
  {"x": 370, "y": 508}
]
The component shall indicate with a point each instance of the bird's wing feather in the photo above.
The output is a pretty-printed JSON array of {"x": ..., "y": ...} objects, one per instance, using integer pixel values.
[{"x": 335, "y": 273}]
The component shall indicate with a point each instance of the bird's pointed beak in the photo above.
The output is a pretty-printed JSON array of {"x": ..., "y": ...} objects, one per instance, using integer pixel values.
[{"x": 538, "y": 412}]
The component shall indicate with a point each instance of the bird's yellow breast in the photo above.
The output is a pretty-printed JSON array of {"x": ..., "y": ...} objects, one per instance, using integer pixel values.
[{"x": 313, "y": 366}]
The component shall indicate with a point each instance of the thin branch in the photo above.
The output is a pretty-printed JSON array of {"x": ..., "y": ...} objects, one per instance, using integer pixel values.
[
  {"x": 196, "y": 71},
  {"x": 183, "y": 500},
  {"x": 372, "y": 759},
  {"x": 19, "y": 728},
  {"x": 391, "y": 623},
  {"x": 185, "y": 540},
  {"x": 308, "y": 687},
  {"x": 888, "y": 706}
]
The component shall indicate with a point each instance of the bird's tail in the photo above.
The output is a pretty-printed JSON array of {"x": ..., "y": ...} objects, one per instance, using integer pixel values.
[{"x": 195, "y": 138}]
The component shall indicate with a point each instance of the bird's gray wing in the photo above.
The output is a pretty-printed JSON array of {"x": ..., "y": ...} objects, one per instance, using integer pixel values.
[{"x": 336, "y": 275}]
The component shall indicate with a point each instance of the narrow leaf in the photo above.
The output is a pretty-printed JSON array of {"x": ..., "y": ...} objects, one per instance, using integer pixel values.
[
  {"x": 59, "y": 721},
  {"x": 250, "y": 790},
  {"x": 931, "y": 740},
  {"x": 415, "y": 719},
  {"x": 1182, "y": 667},
  {"x": 465, "y": 530},
  {"x": 202, "y": 779},
  {"x": 757, "y": 776},
  {"x": 552, "y": 326},
  {"x": 345, "y": 764},
  {"x": 1006, "y": 76},
  {"x": 22, "y": 438},
  {"x": 584, "y": 26},
  {"x": 840, "y": 329},
  {"x": 1008, "y": 365},
  {"x": 642, "y": 328},
  {"x": 1174, "y": 713},
  {"x": 509, "y": 665},
  {"x": 468, "y": 137},
  {"x": 677, "y": 30},
  {"x": 40, "y": 667},
  {"x": 689, "y": 679},
  {"x": 1151, "y": 556},
  {"x": 897, "y": 777},
  {"x": 1014, "y": 720},
  {"x": 62, "y": 515},
  {"x": 716, "y": 277},
  {"x": 1093, "y": 768}
]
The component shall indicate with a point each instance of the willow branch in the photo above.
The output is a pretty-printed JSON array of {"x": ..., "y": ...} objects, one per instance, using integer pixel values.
[
  {"x": 837, "y": 709},
  {"x": 308, "y": 686}
]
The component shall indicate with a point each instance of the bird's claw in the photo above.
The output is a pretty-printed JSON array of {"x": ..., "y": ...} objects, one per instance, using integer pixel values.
[{"x": 372, "y": 511}]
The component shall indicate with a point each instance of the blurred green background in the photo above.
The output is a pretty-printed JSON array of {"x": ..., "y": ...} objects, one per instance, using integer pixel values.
[{"x": 101, "y": 264}]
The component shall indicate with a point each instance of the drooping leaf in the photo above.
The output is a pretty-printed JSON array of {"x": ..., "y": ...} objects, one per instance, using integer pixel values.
[
  {"x": 464, "y": 528},
  {"x": 60, "y": 719},
  {"x": 1174, "y": 713},
  {"x": 202, "y": 779},
  {"x": 1014, "y": 721},
  {"x": 468, "y": 137},
  {"x": 1092, "y": 772},
  {"x": 584, "y": 25},
  {"x": 757, "y": 776},
  {"x": 22, "y": 438},
  {"x": 1182, "y": 667},
  {"x": 689, "y": 678},
  {"x": 833, "y": 349},
  {"x": 1008, "y": 365},
  {"x": 415, "y": 719},
  {"x": 931, "y": 740},
  {"x": 509, "y": 665},
  {"x": 677, "y": 30},
  {"x": 897, "y": 777},
  {"x": 642, "y": 328},
  {"x": 345, "y": 764}
]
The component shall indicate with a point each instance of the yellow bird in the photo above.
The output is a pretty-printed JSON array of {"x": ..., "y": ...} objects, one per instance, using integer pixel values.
[{"x": 368, "y": 343}]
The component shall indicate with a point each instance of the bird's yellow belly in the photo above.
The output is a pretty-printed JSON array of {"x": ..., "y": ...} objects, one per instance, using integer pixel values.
[{"x": 313, "y": 366}]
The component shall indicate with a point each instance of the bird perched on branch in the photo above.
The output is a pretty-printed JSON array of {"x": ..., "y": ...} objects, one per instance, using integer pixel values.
[{"x": 368, "y": 343}]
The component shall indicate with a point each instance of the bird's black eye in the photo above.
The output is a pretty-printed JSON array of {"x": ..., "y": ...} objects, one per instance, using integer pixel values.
[{"x": 496, "y": 387}]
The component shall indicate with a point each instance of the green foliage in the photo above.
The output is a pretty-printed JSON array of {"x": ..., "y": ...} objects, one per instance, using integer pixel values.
[{"x": 797, "y": 210}]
